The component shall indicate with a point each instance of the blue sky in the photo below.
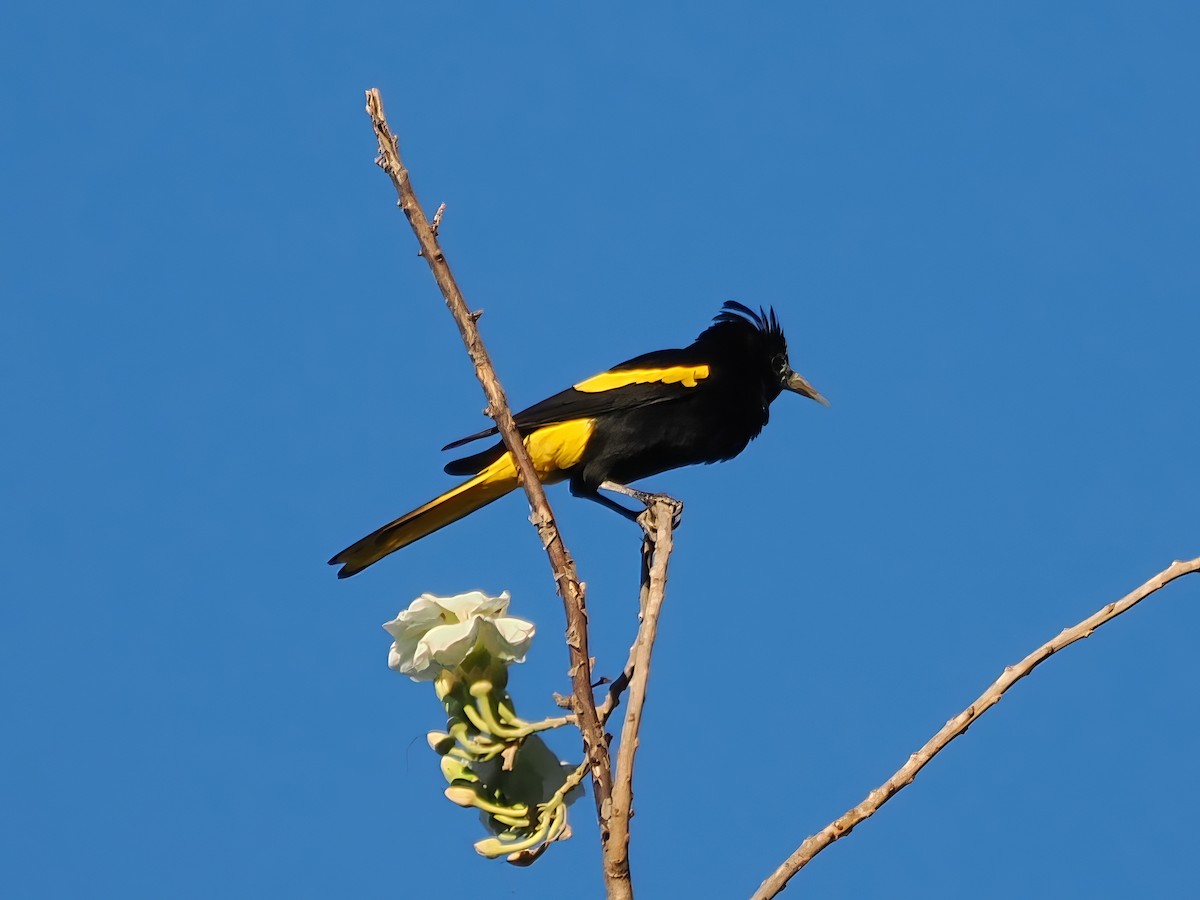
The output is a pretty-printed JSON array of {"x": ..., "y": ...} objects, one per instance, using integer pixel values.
[{"x": 223, "y": 362}]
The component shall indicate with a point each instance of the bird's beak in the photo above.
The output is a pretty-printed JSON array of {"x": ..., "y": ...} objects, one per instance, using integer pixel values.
[{"x": 797, "y": 383}]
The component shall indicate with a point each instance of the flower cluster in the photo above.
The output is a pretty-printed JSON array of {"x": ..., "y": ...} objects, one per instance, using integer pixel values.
[{"x": 493, "y": 760}]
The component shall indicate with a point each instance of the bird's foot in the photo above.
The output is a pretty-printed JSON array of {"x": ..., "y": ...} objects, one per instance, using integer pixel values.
[
  {"x": 649, "y": 500},
  {"x": 648, "y": 518},
  {"x": 675, "y": 506}
]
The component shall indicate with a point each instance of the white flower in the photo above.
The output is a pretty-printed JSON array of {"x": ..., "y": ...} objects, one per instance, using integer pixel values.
[{"x": 437, "y": 633}]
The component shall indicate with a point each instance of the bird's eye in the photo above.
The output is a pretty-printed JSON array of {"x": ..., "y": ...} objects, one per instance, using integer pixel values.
[{"x": 779, "y": 362}]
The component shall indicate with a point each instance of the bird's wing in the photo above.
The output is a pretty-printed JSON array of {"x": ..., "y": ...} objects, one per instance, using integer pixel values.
[{"x": 657, "y": 377}]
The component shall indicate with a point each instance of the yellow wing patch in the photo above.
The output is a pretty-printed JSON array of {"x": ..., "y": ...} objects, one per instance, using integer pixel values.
[{"x": 688, "y": 376}]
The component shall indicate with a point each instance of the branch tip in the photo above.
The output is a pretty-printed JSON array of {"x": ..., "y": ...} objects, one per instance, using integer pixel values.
[{"x": 907, "y": 773}]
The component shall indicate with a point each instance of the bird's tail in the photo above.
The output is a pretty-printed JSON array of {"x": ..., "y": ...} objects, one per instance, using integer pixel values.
[{"x": 492, "y": 483}]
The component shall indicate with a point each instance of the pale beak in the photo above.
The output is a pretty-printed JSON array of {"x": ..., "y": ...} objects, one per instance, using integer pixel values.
[{"x": 797, "y": 383}]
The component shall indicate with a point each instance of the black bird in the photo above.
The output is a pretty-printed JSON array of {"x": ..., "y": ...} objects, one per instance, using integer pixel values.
[{"x": 658, "y": 411}]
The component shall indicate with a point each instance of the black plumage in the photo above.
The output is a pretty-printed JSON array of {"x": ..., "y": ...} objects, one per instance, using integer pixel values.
[{"x": 659, "y": 411}]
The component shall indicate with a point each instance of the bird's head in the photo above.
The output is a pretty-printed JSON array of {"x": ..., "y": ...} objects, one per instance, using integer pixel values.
[{"x": 761, "y": 338}]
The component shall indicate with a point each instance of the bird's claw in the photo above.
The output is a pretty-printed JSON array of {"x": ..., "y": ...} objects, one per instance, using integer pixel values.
[{"x": 652, "y": 500}]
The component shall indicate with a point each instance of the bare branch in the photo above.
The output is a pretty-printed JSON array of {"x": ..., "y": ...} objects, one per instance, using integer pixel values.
[
  {"x": 565, "y": 577},
  {"x": 658, "y": 524},
  {"x": 959, "y": 724}
]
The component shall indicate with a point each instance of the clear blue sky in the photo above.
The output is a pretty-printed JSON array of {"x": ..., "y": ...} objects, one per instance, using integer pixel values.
[{"x": 222, "y": 362}]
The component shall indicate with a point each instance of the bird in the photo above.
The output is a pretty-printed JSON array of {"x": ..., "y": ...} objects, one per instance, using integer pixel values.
[{"x": 662, "y": 410}]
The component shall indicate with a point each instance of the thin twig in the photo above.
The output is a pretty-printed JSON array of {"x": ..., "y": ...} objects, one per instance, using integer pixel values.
[
  {"x": 616, "y": 688},
  {"x": 620, "y": 684},
  {"x": 565, "y": 576},
  {"x": 657, "y": 522},
  {"x": 959, "y": 724}
]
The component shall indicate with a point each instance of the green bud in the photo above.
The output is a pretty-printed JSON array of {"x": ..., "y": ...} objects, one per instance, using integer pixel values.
[
  {"x": 440, "y": 742},
  {"x": 457, "y": 770}
]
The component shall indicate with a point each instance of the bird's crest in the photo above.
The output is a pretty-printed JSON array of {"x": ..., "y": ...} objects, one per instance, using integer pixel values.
[{"x": 764, "y": 320}]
